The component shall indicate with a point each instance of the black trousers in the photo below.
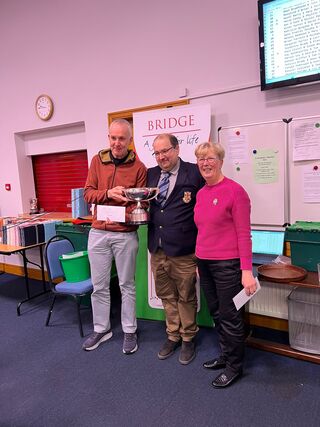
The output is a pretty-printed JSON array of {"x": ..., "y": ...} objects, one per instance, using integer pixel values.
[{"x": 221, "y": 281}]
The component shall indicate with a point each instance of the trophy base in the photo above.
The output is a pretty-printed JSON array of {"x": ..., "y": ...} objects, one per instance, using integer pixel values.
[
  {"x": 138, "y": 218},
  {"x": 137, "y": 222}
]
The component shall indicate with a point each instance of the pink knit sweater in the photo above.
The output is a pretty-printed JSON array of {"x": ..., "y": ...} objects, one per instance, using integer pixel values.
[{"x": 222, "y": 215}]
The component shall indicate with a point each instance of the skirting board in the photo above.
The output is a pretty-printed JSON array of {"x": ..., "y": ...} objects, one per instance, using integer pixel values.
[
  {"x": 18, "y": 270},
  {"x": 266, "y": 322}
]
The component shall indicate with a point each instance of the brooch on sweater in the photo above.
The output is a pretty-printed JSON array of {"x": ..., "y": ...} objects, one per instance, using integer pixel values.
[
  {"x": 187, "y": 197},
  {"x": 215, "y": 202}
]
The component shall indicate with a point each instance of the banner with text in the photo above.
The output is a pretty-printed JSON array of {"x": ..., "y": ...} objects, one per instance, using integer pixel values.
[{"x": 189, "y": 123}]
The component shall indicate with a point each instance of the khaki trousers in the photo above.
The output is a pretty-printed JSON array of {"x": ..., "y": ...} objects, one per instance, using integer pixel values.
[{"x": 175, "y": 279}]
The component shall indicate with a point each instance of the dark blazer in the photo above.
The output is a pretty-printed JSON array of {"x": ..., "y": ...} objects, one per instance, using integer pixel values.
[{"x": 173, "y": 222}]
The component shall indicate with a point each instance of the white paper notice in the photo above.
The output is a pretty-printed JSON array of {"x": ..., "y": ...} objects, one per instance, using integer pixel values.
[
  {"x": 241, "y": 298},
  {"x": 238, "y": 147},
  {"x": 111, "y": 213},
  {"x": 311, "y": 184},
  {"x": 306, "y": 140}
]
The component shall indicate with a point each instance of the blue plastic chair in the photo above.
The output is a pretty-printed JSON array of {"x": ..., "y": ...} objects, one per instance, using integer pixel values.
[{"x": 55, "y": 247}]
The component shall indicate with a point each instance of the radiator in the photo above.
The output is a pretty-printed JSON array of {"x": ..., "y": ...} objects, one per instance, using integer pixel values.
[{"x": 271, "y": 300}]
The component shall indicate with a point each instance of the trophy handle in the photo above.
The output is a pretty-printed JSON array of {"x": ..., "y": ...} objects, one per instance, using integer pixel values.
[{"x": 154, "y": 195}]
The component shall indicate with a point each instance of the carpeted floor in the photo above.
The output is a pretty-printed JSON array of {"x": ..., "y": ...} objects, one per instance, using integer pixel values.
[{"x": 47, "y": 380}]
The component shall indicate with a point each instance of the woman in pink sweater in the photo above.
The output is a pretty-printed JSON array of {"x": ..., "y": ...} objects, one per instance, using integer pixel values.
[{"x": 223, "y": 250}]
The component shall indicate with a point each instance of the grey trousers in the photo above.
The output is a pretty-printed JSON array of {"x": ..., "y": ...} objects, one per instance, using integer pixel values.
[{"x": 103, "y": 247}]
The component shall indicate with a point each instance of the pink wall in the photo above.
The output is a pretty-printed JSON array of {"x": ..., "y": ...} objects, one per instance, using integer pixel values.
[{"x": 98, "y": 56}]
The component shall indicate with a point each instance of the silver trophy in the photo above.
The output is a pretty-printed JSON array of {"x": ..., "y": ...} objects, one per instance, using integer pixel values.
[
  {"x": 34, "y": 206},
  {"x": 143, "y": 194}
]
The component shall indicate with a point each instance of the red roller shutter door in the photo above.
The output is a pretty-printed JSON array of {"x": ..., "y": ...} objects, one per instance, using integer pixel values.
[{"x": 55, "y": 175}]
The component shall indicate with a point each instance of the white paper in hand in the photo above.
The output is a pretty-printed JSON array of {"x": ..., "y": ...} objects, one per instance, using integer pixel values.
[
  {"x": 111, "y": 213},
  {"x": 241, "y": 298}
]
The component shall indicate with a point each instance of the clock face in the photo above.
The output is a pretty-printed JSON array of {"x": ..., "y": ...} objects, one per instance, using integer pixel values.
[{"x": 44, "y": 107}]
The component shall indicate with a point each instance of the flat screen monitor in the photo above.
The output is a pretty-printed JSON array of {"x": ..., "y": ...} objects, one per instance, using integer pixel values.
[
  {"x": 267, "y": 242},
  {"x": 289, "y": 40}
]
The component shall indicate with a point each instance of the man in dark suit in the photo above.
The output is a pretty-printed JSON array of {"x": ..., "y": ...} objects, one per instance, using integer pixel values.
[{"x": 171, "y": 242}]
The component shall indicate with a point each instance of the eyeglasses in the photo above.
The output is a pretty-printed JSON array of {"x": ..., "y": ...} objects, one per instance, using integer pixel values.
[
  {"x": 210, "y": 160},
  {"x": 163, "y": 152}
]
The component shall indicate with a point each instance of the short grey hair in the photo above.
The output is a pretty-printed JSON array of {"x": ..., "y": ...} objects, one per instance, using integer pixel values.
[
  {"x": 122, "y": 122},
  {"x": 204, "y": 148}
]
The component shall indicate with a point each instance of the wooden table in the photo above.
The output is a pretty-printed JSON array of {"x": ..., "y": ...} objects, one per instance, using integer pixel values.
[
  {"x": 311, "y": 281},
  {"x": 10, "y": 250},
  {"x": 60, "y": 216}
]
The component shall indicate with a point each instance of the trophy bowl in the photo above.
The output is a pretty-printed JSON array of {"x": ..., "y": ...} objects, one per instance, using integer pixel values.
[{"x": 139, "y": 215}]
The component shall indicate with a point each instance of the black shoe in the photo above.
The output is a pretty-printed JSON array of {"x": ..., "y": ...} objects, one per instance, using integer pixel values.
[
  {"x": 168, "y": 349},
  {"x": 225, "y": 379},
  {"x": 217, "y": 363},
  {"x": 187, "y": 353}
]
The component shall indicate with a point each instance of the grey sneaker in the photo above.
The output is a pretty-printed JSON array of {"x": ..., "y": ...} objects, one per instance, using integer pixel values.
[
  {"x": 168, "y": 349},
  {"x": 187, "y": 353},
  {"x": 130, "y": 343},
  {"x": 95, "y": 339}
]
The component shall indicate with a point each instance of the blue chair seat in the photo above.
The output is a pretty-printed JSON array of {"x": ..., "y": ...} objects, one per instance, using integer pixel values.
[
  {"x": 76, "y": 288},
  {"x": 56, "y": 246}
]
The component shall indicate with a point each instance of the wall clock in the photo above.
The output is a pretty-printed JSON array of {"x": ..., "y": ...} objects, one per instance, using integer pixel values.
[{"x": 44, "y": 107}]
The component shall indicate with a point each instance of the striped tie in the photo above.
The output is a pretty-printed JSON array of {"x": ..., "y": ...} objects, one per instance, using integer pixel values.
[{"x": 163, "y": 188}]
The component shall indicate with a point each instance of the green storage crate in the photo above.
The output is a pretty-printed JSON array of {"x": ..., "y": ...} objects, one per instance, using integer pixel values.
[{"x": 304, "y": 239}]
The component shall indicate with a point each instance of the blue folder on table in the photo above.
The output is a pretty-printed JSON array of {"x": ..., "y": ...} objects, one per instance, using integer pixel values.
[{"x": 79, "y": 206}]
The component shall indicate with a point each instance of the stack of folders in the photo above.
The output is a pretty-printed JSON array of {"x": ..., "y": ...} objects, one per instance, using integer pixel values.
[
  {"x": 10, "y": 231},
  {"x": 17, "y": 232},
  {"x": 80, "y": 207}
]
